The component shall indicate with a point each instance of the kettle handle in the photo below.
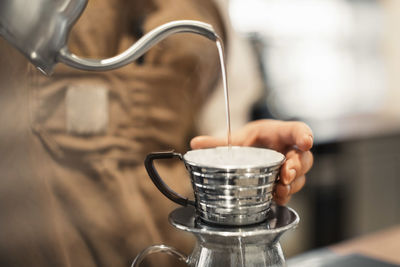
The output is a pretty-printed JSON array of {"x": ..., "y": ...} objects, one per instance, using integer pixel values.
[
  {"x": 158, "y": 248},
  {"x": 138, "y": 48},
  {"x": 158, "y": 182}
]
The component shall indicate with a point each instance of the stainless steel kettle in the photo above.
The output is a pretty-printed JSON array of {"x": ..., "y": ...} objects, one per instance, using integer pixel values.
[{"x": 39, "y": 29}]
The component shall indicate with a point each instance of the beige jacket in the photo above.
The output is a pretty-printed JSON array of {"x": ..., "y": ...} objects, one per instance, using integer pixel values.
[{"x": 89, "y": 201}]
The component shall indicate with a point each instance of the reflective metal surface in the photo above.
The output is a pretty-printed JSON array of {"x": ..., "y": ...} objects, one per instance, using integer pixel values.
[
  {"x": 39, "y": 29},
  {"x": 233, "y": 196},
  {"x": 231, "y": 246},
  {"x": 140, "y": 47},
  {"x": 226, "y": 195},
  {"x": 157, "y": 249}
]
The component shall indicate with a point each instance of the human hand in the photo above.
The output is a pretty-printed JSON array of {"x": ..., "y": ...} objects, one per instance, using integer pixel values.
[{"x": 293, "y": 139}]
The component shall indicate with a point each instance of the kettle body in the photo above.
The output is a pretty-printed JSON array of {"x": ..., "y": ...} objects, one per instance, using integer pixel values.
[{"x": 39, "y": 28}]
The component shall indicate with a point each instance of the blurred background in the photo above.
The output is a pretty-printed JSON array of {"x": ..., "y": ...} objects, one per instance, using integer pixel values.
[{"x": 335, "y": 65}]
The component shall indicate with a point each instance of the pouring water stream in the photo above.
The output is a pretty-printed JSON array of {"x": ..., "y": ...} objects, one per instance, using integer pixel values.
[{"x": 219, "y": 44}]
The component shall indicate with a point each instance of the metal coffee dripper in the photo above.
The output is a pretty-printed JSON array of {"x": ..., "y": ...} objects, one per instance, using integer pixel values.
[
  {"x": 232, "y": 185},
  {"x": 39, "y": 29},
  {"x": 232, "y": 217}
]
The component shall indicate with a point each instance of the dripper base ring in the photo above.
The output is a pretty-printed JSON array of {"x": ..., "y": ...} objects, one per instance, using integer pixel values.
[{"x": 279, "y": 220}]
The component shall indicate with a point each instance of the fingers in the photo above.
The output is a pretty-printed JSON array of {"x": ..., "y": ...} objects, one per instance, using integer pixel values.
[
  {"x": 283, "y": 192},
  {"x": 296, "y": 133},
  {"x": 282, "y": 201},
  {"x": 297, "y": 164},
  {"x": 277, "y": 135},
  {"x": 206, "y": 142},
  {"x": 297, "y": 184}
]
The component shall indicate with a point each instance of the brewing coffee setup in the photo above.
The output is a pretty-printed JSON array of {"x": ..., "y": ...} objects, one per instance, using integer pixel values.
[{"x": 232, "y": 217}]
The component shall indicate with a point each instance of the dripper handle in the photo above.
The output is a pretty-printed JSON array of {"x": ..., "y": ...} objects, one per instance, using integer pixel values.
[
  {"x": 138, "y": 48},
  {"x": 155, "y": 249},
  {"x": 159, "y": 183}
]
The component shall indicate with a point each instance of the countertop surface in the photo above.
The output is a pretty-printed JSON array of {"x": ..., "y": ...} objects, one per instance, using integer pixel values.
[
  {"x": 380, "y": 249},
  {"x": 383, "y": 245}
]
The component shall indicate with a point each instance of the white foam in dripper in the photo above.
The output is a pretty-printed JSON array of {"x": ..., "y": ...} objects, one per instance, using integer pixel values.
[{"x": 234, "y": 157}]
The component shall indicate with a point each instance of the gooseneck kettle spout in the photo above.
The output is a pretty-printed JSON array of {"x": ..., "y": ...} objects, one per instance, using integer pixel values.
[
  {"x": 39, "y": 29},
  {"x": 138, "y": 48}
]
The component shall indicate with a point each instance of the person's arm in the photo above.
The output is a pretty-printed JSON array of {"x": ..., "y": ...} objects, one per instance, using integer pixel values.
[{"x": 293, "y": 139}]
